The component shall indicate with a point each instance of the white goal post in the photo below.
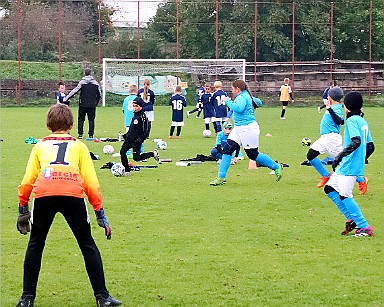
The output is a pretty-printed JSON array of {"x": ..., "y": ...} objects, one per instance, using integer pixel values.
[{"x": 165, "y": 74}]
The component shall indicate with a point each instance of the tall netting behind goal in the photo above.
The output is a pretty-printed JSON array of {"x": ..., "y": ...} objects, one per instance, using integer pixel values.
[{"x": 164, "y": 75}]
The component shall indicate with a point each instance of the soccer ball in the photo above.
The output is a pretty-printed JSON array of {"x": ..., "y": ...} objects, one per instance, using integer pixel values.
[
  {"x": 162, "y": 145},
  {"x": 118, "y": 170},
  {"x": 108, "y": 149},
  {"x": 306, "y": 142},
  {"x": 207, "y": 133}
]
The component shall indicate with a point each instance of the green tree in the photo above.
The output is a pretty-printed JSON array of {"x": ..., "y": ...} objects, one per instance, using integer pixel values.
[
  {"x": 39, "y": 30},
  {"x": 352, "y": 30},
  {"x": 197, "y": 29}
]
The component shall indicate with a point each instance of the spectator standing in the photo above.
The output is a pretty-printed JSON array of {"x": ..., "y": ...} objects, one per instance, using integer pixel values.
[{"x": 90, "y": 95}]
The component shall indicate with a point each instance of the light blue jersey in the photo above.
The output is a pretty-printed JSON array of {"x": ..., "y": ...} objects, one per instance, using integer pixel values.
[
  {"x": 243, "y": 112},
  {"x": 128, "y": 109},
  {"x": 327, "y": 124},
  {"x": 221, "y": 139},
  {"x": 354, "y": 163}
]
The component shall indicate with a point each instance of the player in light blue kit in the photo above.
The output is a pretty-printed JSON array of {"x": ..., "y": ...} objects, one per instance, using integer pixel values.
[
  {"x": 330, "y": 140},
  {"x": 128, "y": 106},
  {"x": 245, "y": 133},
  {"x": 350, "y": 163}
]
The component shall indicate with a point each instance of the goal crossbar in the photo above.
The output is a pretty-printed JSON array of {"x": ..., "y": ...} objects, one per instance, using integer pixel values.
[{"x": 235, "y": 68}]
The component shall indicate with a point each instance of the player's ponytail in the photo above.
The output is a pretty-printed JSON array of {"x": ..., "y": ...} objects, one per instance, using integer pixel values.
[
  {"x": 244, "y": 87},
  {"x": 146, "y": 87}
]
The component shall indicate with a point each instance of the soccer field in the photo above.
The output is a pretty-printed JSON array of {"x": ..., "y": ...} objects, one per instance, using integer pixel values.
[{"x": 177, "y": 241}]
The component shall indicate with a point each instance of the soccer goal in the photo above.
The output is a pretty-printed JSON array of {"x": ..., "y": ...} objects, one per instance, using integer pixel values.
[{"x": 166, "y": 74}]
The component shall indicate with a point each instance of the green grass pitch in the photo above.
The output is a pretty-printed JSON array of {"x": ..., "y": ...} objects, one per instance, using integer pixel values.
[{"x": 177, "y": 241}]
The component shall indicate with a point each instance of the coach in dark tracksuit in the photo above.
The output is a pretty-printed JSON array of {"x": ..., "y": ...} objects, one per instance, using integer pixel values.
[{"x": 89, "y": 98}]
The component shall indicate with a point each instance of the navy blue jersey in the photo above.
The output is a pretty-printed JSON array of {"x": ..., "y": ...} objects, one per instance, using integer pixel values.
[
  {"x": 59, "y": 97},
  {"x": 177, "y": 102},
  {"x": 148, "y": 106},
  {"x": 200, "y": 92},
  {"x": 219, "y": 104},
  {"x": 208, "y": 108},
  {"x": 325, "y": 94}
]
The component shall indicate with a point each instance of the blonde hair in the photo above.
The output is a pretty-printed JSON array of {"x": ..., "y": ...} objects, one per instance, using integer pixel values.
[
  {"x": 147, "y": 83},
  {"x": 133, "y": 89},
  {"x": 218, "y": 84}
]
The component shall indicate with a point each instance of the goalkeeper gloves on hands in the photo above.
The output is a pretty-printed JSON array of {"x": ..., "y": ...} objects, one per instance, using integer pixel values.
[
  {"x": 23, "y": 220},
  {"x": 103, "y": 222}
]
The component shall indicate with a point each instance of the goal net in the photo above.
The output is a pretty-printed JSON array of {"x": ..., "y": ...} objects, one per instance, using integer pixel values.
[{"x": 166, "y": 74}]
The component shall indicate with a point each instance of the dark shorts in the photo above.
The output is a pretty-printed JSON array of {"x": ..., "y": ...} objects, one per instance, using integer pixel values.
[{"x": 284, "y": 103}]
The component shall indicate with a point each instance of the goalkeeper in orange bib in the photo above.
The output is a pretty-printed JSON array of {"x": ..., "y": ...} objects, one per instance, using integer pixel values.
[
  {"x": 59, "y": 172},
  {"x": 285, "y": 95}
]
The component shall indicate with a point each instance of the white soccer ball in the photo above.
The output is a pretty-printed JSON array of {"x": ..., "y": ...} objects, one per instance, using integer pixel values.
[
  {"x": 207, "y": 133},
  {"x": 306, "y": 142},
  {"x": 118, "y": 170},
  {"x": 108, "y": 149},
  {"x": 162, "y": 145}
]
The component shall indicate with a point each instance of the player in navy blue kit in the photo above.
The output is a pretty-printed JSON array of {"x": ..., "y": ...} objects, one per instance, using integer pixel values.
[
  {"x": 350, "y": 163},
  {"x": 61, "y": 93},
  {"x": 199, "y": 105},
  {"x": 149, "y": 101},
  {"x": 332, "y": 84},
  {"x": 218, "y": 101},
  {"x": 330, "y": 140},
  {"x": 245, "y": 133},
  {"x": 208, "y": 109},
  {"x": 178, "y": 103}
]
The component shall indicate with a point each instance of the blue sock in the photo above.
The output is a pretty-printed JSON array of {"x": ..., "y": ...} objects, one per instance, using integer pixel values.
[
  {"x": 335, "y": 197},
  {"x": 142, "y": 148},
  {"x": 316, "y": 163},
  {"x": 355, "y": 212},
  {"x": 360, "y": 179},
  {"x": 266, "y": 161},
  {"x": 224, "y": 166}
]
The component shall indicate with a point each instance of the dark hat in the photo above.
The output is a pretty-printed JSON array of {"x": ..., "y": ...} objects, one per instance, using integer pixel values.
[
  {"x": 336, "y": 93},
  {"x": 353, "y": 101},
  {"x": 138, "y": 101}
]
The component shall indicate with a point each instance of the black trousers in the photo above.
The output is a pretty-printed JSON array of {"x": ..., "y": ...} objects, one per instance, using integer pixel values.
[
  {"x": 137, "y": 156},
  {"x": 91, "y": 114},
  {"x": 74, "y": 211}
]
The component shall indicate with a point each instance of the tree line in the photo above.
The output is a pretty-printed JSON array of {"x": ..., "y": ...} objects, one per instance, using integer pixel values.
[{"x": 195, "y": 31}]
